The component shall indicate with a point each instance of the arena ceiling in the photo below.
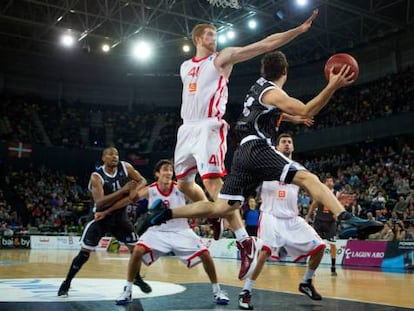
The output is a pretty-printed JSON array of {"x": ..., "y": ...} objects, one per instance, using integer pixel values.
[{"x": 35, "y": 25}]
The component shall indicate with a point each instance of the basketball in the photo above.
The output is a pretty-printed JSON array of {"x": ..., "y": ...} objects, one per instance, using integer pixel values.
[{"x": 338, "y": 60}]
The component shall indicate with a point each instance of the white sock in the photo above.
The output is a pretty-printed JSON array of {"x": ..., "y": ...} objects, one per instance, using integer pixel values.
[
  {"x": 308, "y": 275},
  {"x": 216, "y": 287},
  {"x": 241, "y": 234},
  {"x": 249, "y": 284},
  {"x": 129, "y": 285}
]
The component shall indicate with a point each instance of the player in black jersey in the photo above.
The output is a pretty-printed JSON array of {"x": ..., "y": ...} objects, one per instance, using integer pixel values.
[
  {"x": 324, "y": 222},
  {"x": 110, "y": 185},
  {"x": 256, "y": 160}
]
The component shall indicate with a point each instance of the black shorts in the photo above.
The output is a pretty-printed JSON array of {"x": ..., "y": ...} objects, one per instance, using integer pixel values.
[
  {"x": 119, "y": 227},
  {"x": 325, "y": 229},
  {"x": 256, "y": 161}
]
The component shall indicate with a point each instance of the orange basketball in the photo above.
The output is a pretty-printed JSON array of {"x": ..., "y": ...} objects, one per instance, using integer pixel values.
[{"x": 338, "y": 60}]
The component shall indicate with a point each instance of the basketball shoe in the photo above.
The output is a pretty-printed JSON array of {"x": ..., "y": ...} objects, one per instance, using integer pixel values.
[
  {"x": 157, "y": 214},
  {"x": 355, "y": 227},
  {"x": 144, "y": 286},
  {"x": 221, "y": 298},
  {"x": 309, "y": 290},
  {"x": 64, "y": 289},
  {"x": 249, "y": 249},
  {"x": 245, "y": 299},
  {"x": 125, "y": 297}
]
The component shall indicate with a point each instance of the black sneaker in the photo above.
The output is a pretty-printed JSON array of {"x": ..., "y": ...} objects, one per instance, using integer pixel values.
[
  {"x": 355, "y": 227},
  {"x": 309, "y": 290},
  {"x": 244, "y": 300},
  {"x": 157, "y": 214},
  {"x": 144, "y": 286},
  {"x": 64, "y": 289},
  {"x": 333, "y": 271}
]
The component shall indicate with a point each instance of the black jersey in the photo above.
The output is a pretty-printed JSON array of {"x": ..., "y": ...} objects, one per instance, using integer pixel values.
[
  {"x": 258, "y": 119},
  {"x": 323, "y": 213},
  {"x": 112, "y": 183}
]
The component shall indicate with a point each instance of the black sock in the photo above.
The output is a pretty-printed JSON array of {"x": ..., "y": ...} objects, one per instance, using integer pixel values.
[
  {"x": 77, "y": 264},
  {"x": 333, "y": 262},
  {"x": 138, "y": 277}
]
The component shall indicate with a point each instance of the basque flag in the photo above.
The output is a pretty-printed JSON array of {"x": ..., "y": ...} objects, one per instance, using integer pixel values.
[{"x": 19, "y": 150}]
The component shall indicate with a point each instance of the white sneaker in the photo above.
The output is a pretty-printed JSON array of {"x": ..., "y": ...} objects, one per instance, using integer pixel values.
[
  {"x": 221, "y": 298},
  {"x": 125, "y": 298}
]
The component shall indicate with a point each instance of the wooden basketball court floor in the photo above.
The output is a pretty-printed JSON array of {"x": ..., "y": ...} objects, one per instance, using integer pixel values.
[{"x": 29, "y": 280}]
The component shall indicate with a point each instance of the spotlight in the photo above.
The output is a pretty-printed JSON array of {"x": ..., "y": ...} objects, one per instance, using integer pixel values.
[
  {"x": 186, "y": 48},
  {"x": 222, "y": 39},
  {"x": 231, "y": 34},
  {"x": 105, "y": 48},
  {"x": 142, "y": 50},
  {"x": 301, "y": 3},
  {"x": 252, "y": 24},
  {"x": 67, "y": 40}
]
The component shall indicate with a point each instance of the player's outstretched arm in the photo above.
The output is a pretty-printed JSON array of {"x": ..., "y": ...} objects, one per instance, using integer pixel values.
[
  {"x": 234, "y": 55},
  {"x": 298, "y": 119}
]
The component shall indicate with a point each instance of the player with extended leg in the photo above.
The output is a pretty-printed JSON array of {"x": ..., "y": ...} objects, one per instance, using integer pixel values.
[{"x": 256, "y": 160}]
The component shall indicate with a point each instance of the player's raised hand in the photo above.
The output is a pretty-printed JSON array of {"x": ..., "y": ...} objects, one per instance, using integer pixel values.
[
  {"x": 343, "y": 78},
  {"x": 308, "y": 23}
]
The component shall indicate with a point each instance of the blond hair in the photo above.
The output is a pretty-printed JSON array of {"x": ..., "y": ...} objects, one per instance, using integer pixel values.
[{"x": 198, "y": 31}]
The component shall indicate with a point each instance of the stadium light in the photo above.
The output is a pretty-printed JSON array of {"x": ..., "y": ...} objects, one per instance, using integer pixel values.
[
  {"x": 105, "y": 48},
  {"x": 67, "y": 40},
  {"x": 222, "y": 39},
  {"x": 302, "y": 3},
  {"x": 231, "y": 34},
  {"x": 252, "y": 24},
  {"x": 186, "y": 48},
  {"x": 142, "y": 50}
]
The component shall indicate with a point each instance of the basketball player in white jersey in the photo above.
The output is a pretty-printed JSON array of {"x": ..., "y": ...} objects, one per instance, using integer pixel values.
[
  {"x": 201, "y": 140},
  {"x": 173, "y": 236},
  {"x": 281, "y": 226}
]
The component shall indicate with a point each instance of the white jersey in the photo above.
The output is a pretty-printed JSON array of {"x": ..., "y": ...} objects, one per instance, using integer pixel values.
[
  {"x": 279, "y": 199},
  {"x": 173, "y": 198},
  {"x": 280, "y": 224},
  {"x": 204, "y": 89}
]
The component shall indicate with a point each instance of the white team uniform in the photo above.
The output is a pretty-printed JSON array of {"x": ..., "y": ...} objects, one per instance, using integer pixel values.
[
  {"x": 280, "y": 224},
  {"x": 174, "y": 236},
  {"x": 201, "y": 140}
]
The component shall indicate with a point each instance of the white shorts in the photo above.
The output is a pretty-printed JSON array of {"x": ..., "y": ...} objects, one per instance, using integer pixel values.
[
  {"x": 201, "y": 146},
  {"x": 185, "y": 244},
  {"x": 294, "y": 234}
]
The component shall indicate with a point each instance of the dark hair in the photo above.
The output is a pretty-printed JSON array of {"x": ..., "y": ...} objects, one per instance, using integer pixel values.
[
  {"x": 160, "y": 163},
  {"x": 105, "y": 151},
  {"x": 274, "y": 65},
  {"x": 283, "y": 135},
  {"x": 326, "y": 177}
]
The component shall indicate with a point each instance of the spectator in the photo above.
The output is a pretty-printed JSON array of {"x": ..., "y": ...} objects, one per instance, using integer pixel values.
[{"x": 400, "y": 208}]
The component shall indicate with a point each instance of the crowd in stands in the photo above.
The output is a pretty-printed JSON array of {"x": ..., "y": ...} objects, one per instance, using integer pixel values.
[
  {"x": 42, "y": 200},
  {"x": 379, "y": 176},
  {"x": 79, "y": 125}
]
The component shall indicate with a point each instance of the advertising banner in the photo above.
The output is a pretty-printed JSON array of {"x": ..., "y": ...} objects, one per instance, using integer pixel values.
[
  {"x": 15, "y": 242},
  {"x": 340, "y": 251},
  {"x": 399, "y": 255},
  {"x": 364, "y": 253},
  {"x": 54, "y": 242}
]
